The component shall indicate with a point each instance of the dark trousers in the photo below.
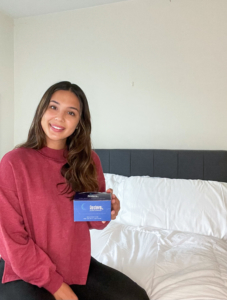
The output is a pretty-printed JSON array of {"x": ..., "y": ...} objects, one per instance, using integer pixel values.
[{"x": 103, "y": 283}]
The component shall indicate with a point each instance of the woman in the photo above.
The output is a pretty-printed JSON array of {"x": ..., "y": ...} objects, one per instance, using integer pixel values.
[{"x": 45, "y": 255}]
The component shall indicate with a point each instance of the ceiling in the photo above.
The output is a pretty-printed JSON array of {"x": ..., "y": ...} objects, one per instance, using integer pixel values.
[{"x": 25, "y": 8}]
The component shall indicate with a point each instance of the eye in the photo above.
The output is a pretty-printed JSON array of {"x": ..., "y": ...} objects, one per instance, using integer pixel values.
[
  {"x": 52, "y": 107},
  {"x": 71, "y": 113}
]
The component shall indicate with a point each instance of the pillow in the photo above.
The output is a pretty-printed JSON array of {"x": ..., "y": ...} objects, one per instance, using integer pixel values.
[
  {"x": 185, "y": 205},
  {"x": 112, "y": 182}
]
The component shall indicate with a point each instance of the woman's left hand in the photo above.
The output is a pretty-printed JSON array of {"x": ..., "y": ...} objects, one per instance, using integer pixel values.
[{"x": 115, "y": 205}]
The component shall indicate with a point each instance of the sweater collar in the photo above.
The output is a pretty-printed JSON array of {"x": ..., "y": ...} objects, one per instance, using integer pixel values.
[{"x": 57, "y": 155}]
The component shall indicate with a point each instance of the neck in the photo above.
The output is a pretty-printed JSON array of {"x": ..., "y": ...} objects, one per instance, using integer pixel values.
[{"x": 56, "y": 145}]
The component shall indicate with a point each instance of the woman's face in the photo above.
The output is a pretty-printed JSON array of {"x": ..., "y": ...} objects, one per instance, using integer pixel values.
[{"x": 61, "y": 118}]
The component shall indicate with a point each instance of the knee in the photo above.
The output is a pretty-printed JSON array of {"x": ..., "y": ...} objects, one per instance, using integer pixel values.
[
  {"x": 142, "y": 295},
  {"x": 137, "y": 294}
]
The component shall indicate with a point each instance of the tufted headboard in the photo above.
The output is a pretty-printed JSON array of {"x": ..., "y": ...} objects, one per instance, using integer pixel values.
[{"x": 184, "y": 164}]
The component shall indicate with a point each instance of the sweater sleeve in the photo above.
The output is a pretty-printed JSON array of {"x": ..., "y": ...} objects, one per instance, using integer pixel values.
[
  {"x": 25, "y": 257},
  {"x": 102, "y": 188}
]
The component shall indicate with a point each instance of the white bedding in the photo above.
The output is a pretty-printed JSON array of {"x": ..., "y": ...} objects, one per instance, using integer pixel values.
[
  {"x": 169, "y": 264},
  {"x": 170, "y": 237}
]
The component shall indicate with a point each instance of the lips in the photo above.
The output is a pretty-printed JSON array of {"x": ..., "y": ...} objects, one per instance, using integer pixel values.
[{"x": 56, "y": 128}]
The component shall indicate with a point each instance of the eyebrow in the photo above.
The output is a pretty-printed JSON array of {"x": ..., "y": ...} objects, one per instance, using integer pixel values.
[{"x": 68, "y": 107}]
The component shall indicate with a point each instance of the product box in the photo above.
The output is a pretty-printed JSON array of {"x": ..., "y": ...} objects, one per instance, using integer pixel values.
[{"x": 92, "y": 206}]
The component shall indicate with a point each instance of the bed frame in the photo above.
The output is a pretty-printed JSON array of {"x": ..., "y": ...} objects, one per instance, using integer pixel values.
[{"x": 184, "y": 164}]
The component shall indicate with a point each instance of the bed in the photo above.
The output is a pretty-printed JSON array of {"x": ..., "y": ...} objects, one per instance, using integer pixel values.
[{"x": 171, "y": 233}]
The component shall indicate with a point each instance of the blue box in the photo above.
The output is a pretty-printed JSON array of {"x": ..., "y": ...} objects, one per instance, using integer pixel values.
[{"x": 92, "y": 206}]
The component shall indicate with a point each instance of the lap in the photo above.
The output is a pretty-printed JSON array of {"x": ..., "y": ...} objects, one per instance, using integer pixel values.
[
  {"x": 21, "y": 290},
  {"x": 103, "y": 283}
]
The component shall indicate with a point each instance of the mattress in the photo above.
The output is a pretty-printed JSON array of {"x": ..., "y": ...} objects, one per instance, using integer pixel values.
[{"x": 168, "y": 264}]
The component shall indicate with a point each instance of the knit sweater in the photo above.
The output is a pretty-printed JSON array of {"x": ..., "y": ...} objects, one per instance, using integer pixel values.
[{"x": 39, "y": 241}]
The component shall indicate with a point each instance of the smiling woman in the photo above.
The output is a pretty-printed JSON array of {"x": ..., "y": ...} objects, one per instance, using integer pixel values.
[
  {"x": 62, "y": 121},
  {"x": 46, "y": 255},
  {"x": 61, "y": 118}
]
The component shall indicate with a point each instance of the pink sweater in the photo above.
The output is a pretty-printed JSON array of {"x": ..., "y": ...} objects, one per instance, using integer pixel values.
[{"x": 39, "y": 241}]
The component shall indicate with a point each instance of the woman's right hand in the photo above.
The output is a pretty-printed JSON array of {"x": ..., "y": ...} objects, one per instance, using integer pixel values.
[{"x": 65, "y": 293}]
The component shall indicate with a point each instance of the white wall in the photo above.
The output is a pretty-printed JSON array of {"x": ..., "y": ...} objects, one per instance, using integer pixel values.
[
  {"x": 154, "y": 71},
  {"x": 6, "y": 84}
]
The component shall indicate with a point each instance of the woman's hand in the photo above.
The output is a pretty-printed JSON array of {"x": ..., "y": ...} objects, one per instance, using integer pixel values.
[
  {"x": 115, "y": 205},
  {"x": 65, "y": 293}
]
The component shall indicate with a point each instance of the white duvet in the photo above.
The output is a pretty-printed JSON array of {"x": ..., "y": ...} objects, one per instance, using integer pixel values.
[{"x": 174, "y": 246}]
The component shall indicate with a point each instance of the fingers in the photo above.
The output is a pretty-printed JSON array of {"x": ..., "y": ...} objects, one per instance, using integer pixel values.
[
  {"x": 110, "y": 191},
  {"x": 115, "y": 204},
  {"x": 115, "y": 208},
  {"x": 65, "y": 292},
  {"x": 113, "y": 196}
]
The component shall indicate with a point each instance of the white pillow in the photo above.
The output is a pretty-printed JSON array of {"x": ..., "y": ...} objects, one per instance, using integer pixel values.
[
  {"x": 177, "y": 204},
  {"x": 112, "y": 182}
]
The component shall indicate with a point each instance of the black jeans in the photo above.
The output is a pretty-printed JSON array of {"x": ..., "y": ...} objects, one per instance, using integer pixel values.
[{"x": 103, "y": 283}]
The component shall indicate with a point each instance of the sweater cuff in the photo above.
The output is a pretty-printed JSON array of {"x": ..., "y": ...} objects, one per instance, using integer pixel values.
[{"x": 55, "y": 283}]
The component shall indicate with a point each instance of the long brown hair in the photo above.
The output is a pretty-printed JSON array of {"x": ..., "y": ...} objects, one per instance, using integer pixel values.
[{"x": 79, "y": 171}]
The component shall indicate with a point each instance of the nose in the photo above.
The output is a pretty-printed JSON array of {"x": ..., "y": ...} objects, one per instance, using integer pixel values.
[{"x": 59, "y": 116}]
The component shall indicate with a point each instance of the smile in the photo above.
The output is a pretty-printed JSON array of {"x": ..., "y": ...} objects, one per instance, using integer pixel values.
[{"x": 56, "y": 128}]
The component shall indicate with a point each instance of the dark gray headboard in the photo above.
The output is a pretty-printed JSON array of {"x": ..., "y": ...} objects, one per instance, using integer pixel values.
[{"x": 184, "y": 164}]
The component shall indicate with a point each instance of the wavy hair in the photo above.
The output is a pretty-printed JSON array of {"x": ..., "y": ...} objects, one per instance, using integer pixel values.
[{"x": 79, "y": 171}]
